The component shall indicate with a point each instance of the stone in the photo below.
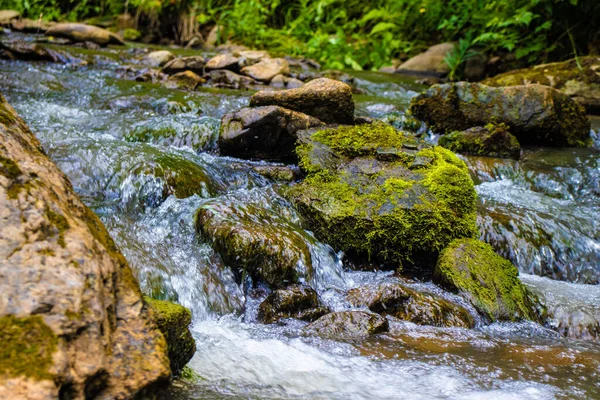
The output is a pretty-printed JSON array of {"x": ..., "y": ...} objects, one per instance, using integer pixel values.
[
  {"x": 31, "y": 25},
  {"x": 490, "y": 141},
  {"x": 184, "y": 80},
  {"x": 489, "y": 281},
  {"x": 296, "y": 301},
  {"x": 84, "y": 33},
  {"x": 407, "y": 304},
  {"x": 250, "y": 57},
  {"x": 21, "y": 50},
  {"x": 282, "y": 81},
  {"x": 196, "y": 42},
  {"x": 431, "y": 61},
  {"x": 381, "y": 195},
  {"x": 157, "y": 58},
  {"x": 583, "y": 86},
  {"x": 256, "y": 241},
  {"x": 266, "y": 69},
  {"x": 267, "y": 133},
  {"x": 348, "y": 325},
  {"x": 72, "y": 316},
  {"x": 6, "y": 16},
  {"x": 535, "y": 114},
  {"x": 174, "y": 321},
  {"x": 191, "y": 63},
  {"x": 215, "y": 36},
  {"x": 223, "y": 61},
  {"x": 325, "y": 99},
  {"x": 228, "y": 79}
]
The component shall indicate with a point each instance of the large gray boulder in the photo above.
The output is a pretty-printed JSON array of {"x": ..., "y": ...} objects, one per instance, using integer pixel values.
[{"x": 72, "y": 318}]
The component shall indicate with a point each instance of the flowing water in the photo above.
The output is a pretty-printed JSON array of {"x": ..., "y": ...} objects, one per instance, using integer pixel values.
[{"x": 541, "y": 212}]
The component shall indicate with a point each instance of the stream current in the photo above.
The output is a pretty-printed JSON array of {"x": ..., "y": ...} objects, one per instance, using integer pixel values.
[{"x": 541, "y": 212}]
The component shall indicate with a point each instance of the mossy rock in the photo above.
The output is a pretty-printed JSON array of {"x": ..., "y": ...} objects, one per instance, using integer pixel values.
[
  {"x": 582, "y": 85},
  {"x": 131, "y": 34},
  {"x": 296, "y": 301},
  {"x": 198, "y": 136},
  {"x": 491, "y": 282},
  {"x": 256, "y": 241},
  {"x": 407, "y": 304},
  {"x": 348, "y": 325},
  {"x": 491, "y": 141},
  {"x": 536, "y": 115},
  {"x": 380, "y": 194},
  {"x": 173, "y": 321}
]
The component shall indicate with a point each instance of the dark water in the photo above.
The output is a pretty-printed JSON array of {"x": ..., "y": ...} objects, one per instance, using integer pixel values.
[{"x": 541, "y": 212}]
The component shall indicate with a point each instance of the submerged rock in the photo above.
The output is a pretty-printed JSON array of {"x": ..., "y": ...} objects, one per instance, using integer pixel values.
[
  {"x": 489, "y": 281},
  {"x": 157, "y": 58},
  {"x": 404, "y": 303},
  {"x": 229, "y": 79},
  {"x": 198, "y": 136},
  {"x": 431, "y": 61},
  {"x": 490, "y": 140},
  {"x": 325, "y": 99},
  {"x": 72, "y": 319},
  {"x": 582, "y": 85},
  {"x": 376, "y": 192},
  {"x": 267, "y": 69},
  {"x": 296, "y": 301},
  {"x": 191, "y": 63},
  {"x": 263, "y": 132},
  {"x": 173, "y": 321},
  {"x": 184, "y": 80},
  {"x": 84, "y": 33},
  {"x": 349, "y": 325},
  {"x": 535, "y": 114}
]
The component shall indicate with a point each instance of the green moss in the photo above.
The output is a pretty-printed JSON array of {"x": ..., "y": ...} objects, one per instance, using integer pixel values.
[
  {"x": 491, "y": 282},
  {"x": 131, "y": 34},
  {"x": 26, "y": 347},
  {"x": 9, "y": 168},
  {"x": 59, "y": 222}
]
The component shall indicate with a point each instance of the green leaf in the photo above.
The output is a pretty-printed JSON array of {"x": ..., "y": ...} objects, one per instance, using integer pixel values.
[{"x": 382, "y": 26}]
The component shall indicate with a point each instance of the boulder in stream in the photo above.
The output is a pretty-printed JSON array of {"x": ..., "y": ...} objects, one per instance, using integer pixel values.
[
  {"x": 536, "y": 115},
  {"x": 429, "y": 62},
  {"x": 73, "y": 321},
  {"x": 349, "y": 325},
  {"x": 21, "y": 50},
  {"x": 267, "y": 69},
  {"x": 6, "y": 16},
  {"x": 228, "y": 79},
  {"x": 295, "y": 301},
  {"x": 325, "y": 99},
  {"x": 381, "y": 194},
  {"x": 157, "y": 58},
  {"x": 488, "y": 280},
  {"x": 263, "y": 132},
  {"x": 190, "y": 63},
  {"x": 84, "y": 33},
  {"x": 184, "y": 80},
  {"x": 223, "y": 61},
  {"x": 492, "y": 140},
  {"x": 407, "y": 304}
]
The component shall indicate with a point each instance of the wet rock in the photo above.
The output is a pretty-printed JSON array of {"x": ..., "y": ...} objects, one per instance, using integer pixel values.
[
  {"x": 223, "y": 61},
  {"x": 191, "y": 63},
  {"x": 583, "y": 86},
  {"x": 490, "y": 140},
  {"x": 174, "y": 321},
  {"x": 325, "y": 99},
  {"x": 348, "y": 325},
  {"x": 489, "y": 281},
  {"x": 535, "y": 114},
  {"x": 281, "y": 81},
  {"x": 256, "y": 241},
  {"x": 431, "y": 61},
  {"x": 277, "y": 173},
  {"x": 31, "y": 25},
  {"x": 228, "y": 79},
  {"x": 251, "y": 57},
  {"x": 20, "y": 50},
  {"x": 296, "y": 301},
  {"x": 196, "y": 42},
  {"x": 157, "y": 58},
  {"x": 184, "y": 80},
  {"x": 404, "y": 303},
  {"x": 263, "y": 132},
  {"x": 6, "y": 16},
  {"x": 84, "y": 33},
  {"x": 381, "y": 194},
  {"x": 267, "y": 69},
  {"x": 69, "y": 300}
]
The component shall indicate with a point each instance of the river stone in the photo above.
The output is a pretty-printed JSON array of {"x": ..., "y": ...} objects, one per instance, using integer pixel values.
[
  {"x": 31, "y": 25},
  {"x": 281, "y": 81},
  {"x": 382, "y": 195},
  {"x": 404, "y": 303},
  {"x": 267, "y": 133},
  {"x": 431, "y": 61},
  {"x": 72, "y": 316},
  {"x": 191, "y": 63},
  {"x": 583, "y": 86},
  {"x": 490, "y": 140},
  {"x": 326, "y": 99},
  {"x": 6, "y": 16},
  {"x": 266, "y": 69},
  {"x": 228, "y": 79},
  {"x": 184, "y": 80},
  {"x": 21, "y": 50},
  {"x": 348, "y": 325},
  {"x": 251, "y": 57},
  {"x": 489, "y": 281},
  {"x": 157, "y": 58},
  {"x": 223, "y": 61},
  {"x": 535, "y": 114},
  {"x": 84, "y": 33},
  {"x": 256, "y": 241},
  {"x": 296, "y": 301},
  {"x": 173, "y": 321}
]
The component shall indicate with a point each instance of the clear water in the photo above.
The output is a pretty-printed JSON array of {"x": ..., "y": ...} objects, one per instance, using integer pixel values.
[{"x": 540, "y": 212}]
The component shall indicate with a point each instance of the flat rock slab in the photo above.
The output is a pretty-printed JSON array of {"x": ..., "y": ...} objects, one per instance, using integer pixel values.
[
  {"x": 84, "y": 33},
  {"x": 267, "y": 69}
]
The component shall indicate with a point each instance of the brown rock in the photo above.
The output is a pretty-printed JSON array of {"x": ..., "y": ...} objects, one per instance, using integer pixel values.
[
  {"x": 84, "y": 33},
  {"x": 6, "y": 16},
  {"x": 250, "y": 57},
  {"x": 31, "y": 25},
  {"x": 223, "y": 61},
  {"x": 228, "y": 79},
  {"x": 184, "y": 80},
  {"x": 281, "y": 81},
  {"x": 71, "y": 313},
  {"x": 431, "y": 61},
  {"x": 191, "y": 63},
  {"x": 349, "y": 325},
  {"x": 267, "y": 69},
  {"x": 157, "y": 58},
  {"x": 296, "y": 301}
]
